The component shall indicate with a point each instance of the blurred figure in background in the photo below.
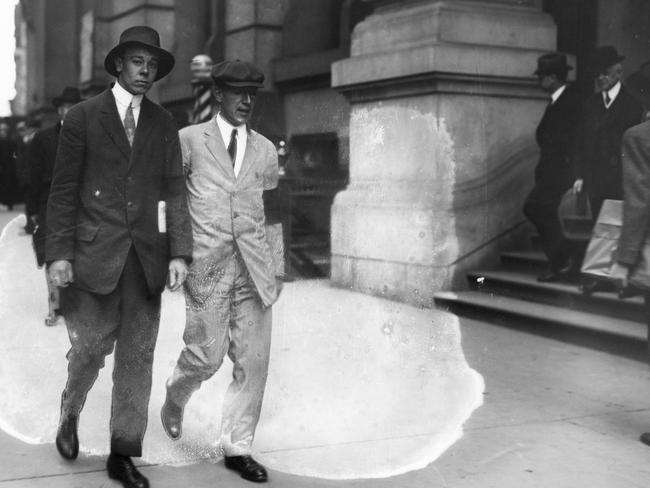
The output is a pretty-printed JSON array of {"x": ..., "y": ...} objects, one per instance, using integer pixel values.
[
  {"x": 8, "y": 182},
  {"x": 42, "y": 154},
  {"x": 25, "y": 131}
]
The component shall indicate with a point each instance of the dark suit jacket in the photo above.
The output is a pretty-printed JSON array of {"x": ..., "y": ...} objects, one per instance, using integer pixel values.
[
  {"x": 40, "y": 166},
  {"x": 555, "y": 137},
  {"x": 636, "y": 189},
  {"x": 105, "y": 195},
  {"x": 598, "y": 150}
]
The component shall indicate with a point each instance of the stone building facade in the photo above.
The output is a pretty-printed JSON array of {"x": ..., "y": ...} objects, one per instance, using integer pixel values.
[{"x": 426, "y": 108}]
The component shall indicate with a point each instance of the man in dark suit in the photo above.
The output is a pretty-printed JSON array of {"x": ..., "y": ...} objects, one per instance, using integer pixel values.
[
  {"x": 117, "y": 229},
  {"x": 554, "y": 172},
  {"x": 40, "y": 166},
  {"x": 606, "y": 116}
]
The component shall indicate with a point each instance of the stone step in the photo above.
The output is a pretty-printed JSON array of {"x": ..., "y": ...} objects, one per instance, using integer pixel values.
[
  {"x": 524, "y": 286},
  {"x": 498, "y": 307},
  {"x": 532, "y": 260}
]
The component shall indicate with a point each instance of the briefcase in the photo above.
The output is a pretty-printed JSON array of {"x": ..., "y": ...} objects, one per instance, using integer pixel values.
[{"x": 600, "y": 253}]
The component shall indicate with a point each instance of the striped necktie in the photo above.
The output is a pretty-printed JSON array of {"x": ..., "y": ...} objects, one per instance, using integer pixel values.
[{"x": 129, "y": 124}]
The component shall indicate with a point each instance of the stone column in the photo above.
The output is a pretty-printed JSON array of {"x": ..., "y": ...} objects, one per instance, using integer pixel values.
[{"x": 444, "y": 109}]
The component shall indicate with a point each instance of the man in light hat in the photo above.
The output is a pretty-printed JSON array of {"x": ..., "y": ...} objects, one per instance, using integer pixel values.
[
  {"x": 554, "y": 172},
  {"x": 40, "y": 165},
  {"x": 235, "y": 276},
  {"x": 606, "y": 115},
  {"x": 117, "y": 231}
]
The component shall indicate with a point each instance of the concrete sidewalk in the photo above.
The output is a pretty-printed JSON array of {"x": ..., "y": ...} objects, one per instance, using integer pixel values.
[{"x": 553, "y": 415}]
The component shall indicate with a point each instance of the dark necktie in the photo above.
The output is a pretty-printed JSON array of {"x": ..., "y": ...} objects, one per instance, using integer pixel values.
[
  {"x": 232, "y": 147},
  {"x": 129, "y": 124},
  {"x": 607, "y": 99}
]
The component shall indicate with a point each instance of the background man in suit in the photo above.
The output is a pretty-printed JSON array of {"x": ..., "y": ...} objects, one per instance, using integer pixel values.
[
  {"x": 606, "y": 116},
  {"x": 636, "y": 197},
  {"x": 40, "y": 165},
  {"x": 554, "y": 172},
  {"x": 235, "y": 277},
  {"x": 109, "y": 237}
]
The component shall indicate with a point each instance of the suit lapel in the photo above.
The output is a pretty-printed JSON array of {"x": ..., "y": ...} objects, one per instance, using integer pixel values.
[
  {"x": 110, "y": 120},
  {"x": 214, "y": 143},
  {"x": 249, "y": 156}
]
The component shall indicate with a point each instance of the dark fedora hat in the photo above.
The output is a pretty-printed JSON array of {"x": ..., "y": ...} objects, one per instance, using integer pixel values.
[
  {"x": 603, "y": 57},
  {"x": 70, "y": 94},
  {"x": 237, "y": 74},
  {"x": 638, "y": 84},
  {"x": 142, "y": 36},
  {"x": 552, "y": 64}
]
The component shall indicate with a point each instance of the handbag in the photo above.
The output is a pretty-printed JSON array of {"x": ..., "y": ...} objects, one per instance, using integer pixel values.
[{"x": 601, "y": 250}]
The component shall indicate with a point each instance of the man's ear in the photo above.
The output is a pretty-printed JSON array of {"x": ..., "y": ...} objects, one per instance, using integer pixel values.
[
  {"x": 119, "y": 64},
  {"x": 217, "y": 93}
]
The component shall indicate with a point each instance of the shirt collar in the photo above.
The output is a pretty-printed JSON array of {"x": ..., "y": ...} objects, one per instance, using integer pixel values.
[
  {"x": 613, "y": 92},
  {"x": 226, "y": 127},
  {"x": 556, "y": 94},
  {"x": 123, "y": 97}
]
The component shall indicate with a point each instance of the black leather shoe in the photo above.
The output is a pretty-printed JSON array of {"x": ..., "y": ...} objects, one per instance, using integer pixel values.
[
  {"x": 249, "y": 469},
  {"x": 121, "y": 468},
  {"x": 67, "y": 442},
  {"x": 550, "y": 277},
  {"x": 560, "y": 274},
  {"x": 645, "y": 438},
  {"x": 172, "y": 419},
  {"x": 592, "y": 286}
]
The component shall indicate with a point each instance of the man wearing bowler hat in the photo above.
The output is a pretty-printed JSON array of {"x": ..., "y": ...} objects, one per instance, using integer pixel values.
[
  {"x": 40, "y": 165},
  {"x": 117, "y": 231},
  {"x": 235, "y": 276},
  {"x": 606, "y": 115},
  {"x": 554, "y": 172}
]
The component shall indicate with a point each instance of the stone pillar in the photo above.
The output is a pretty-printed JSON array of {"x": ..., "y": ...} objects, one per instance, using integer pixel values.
[{"x": 444, "y": 107}]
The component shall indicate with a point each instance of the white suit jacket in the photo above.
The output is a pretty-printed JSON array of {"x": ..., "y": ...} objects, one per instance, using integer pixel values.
[{"x": 227, "y": 212}]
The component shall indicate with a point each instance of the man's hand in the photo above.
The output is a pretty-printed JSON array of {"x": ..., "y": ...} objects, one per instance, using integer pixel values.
[
  {"x": 577, "y": 185},
  {"x": 60, "y": 273},
  {"x": 620, "y": 273},
  {"x": 177, "y": 273}
]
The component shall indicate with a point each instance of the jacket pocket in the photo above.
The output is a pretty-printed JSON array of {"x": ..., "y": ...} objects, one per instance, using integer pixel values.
[{"x": 87, "y": 232}]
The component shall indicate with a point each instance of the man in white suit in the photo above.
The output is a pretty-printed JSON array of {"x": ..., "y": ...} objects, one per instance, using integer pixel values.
[{"x": 231, "y": 175}]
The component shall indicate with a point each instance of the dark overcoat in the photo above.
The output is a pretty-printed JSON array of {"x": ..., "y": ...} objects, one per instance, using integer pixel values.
[
  {"x": 105, "y": 195},
  {"x": 598, "y": 149},
  {"x": 40, "y": 166},
  {"x": 555, "y": 136}
]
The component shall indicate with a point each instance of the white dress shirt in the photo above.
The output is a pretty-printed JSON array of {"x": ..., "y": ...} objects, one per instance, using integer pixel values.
[
  {"x": 122, "y": 100},
  {"x": 613, "y": 93},
  {"x": 242, "y": 136},
  {"x": 556, "y": 94}
]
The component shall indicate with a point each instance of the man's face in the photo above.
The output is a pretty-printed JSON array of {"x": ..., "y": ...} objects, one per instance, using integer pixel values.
[
  {"x": 137, "y": 69},
  {"x": 547, "y": 82},
  {"x": 609, "y": 77},
  {"x": 236, "y": 103},
  {"x": 4, "y": 131}
]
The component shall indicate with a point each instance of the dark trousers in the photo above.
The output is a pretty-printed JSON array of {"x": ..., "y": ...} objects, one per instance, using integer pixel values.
[
  {"x": 126, "y": 319},
  {"x": 541, "y": 209}
]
